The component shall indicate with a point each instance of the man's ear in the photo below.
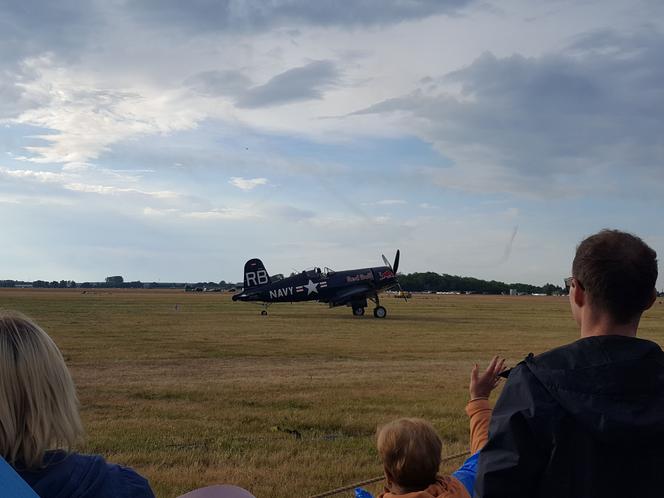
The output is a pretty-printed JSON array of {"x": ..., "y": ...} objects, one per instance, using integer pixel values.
[
  {"x": 652, "y": 300},
  {"x": 578, "y": 294}
]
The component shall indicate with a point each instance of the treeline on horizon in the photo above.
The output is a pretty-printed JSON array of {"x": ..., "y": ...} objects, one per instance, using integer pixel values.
[
  {"x": 413, "y": 282},
  {"x": 116, "y": 283},
  {"x": 435, "y": 282}
]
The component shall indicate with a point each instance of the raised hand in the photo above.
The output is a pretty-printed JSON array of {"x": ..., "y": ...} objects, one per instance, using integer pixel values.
[{"x": 482, "y": 384}]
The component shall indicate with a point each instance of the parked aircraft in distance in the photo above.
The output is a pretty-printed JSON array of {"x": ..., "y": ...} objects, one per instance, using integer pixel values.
[{"x": 337, "y": 288}]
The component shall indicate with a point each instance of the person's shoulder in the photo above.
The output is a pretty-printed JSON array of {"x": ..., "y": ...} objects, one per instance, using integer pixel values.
[
  {"x": 594, "y": 351},
  {"x": 92, "y": 475},
  {"x": 557, "y": 357},
  {"x": 564, "y": 357},
  {"x": 553, "y": 358},
  {"x": 520, "y": 376},
  {"x": 126, "y": 482},
  {"x": 62, "y": 472}
]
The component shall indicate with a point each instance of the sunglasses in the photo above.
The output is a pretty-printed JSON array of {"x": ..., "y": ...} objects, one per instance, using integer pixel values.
[{"x": 568, "y": 283}]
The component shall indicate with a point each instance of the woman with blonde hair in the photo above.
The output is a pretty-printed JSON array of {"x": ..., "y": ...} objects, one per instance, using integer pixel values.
[{"x": 40, "y": 422}]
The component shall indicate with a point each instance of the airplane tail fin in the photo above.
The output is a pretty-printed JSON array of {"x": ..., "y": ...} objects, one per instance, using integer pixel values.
[{"x": 255, "y": 274}]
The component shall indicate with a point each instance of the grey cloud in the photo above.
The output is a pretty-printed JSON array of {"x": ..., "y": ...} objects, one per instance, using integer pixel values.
[
  {"x": 297, "y": 84},
  {"x": 215, "y": 15},
  {"x": 69, "y": 28},
  {"x": 218, "y": 83},
  {"x": 14, "y": 99},
  {"x": 550, "y": 123},
  {"x": 10, "y": 97},
  {"x": 33, "y": 26}
]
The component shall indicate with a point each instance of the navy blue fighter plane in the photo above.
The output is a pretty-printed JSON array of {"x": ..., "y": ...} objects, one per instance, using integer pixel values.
[{"x": 337, "y": 288}]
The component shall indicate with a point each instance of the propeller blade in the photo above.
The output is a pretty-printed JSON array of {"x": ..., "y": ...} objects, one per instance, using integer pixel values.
[
  {"x": 395, "y": 268},
  {"x": 401, "y": 292},
  {"x": 387, "y": 263}
]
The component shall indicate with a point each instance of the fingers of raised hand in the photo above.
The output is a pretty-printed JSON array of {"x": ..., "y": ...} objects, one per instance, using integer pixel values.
[
  {"x": 492, "y": 364},
  {"x": 497, "y": 365}
]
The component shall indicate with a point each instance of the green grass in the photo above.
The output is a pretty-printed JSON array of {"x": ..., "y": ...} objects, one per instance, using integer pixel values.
[{"x": 204, "y": 395}]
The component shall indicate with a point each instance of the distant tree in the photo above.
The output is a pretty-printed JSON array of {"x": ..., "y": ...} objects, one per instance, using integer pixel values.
[
  {"x": 552, "y": 290},
  {"x": 115, "y": 281},
  {"x": 433, "y": 282}
]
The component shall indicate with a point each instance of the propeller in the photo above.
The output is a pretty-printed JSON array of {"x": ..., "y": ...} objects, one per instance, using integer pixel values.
[
  {"x": 396, "y": 263},
  {"x": 394, "y": 269}
]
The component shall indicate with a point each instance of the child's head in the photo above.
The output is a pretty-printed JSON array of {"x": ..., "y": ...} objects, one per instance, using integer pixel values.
[{"x": 410, "y": 450}]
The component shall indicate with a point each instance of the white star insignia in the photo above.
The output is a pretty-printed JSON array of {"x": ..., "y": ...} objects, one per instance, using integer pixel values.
[{"x": 311, "y": 287}]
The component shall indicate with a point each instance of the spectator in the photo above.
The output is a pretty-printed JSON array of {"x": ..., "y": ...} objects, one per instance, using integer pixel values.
[
  {"x": 587, "y": 419},
  {"x": 410, "y": 449},
  {"x": 40, "y": 423}
]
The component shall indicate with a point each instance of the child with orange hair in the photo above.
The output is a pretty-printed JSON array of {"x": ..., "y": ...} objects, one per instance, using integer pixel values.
[{"x": 410, "y": 448}]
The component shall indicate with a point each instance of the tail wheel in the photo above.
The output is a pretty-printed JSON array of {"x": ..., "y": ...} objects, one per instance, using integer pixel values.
[
  {"x": 358, "y": 311},
  {"x": 380, "y": 312}
]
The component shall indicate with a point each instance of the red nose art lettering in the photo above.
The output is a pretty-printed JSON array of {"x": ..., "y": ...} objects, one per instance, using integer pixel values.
[{"x": 359, "y": 277}]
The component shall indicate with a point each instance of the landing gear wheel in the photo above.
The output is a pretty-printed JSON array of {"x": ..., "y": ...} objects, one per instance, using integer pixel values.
[
  {"x": 359, "y": 311},
  {"x": 380, "y": 312},
  {"x": 264, "y": 312}
]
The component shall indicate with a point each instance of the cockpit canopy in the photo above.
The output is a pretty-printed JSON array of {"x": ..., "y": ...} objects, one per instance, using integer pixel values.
[{"x": 316, "y": 272}]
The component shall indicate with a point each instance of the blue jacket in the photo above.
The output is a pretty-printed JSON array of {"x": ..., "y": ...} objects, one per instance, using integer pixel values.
[{"x": 84, "y": 476}]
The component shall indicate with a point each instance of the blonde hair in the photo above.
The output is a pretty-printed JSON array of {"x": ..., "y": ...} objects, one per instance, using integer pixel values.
[
  {"x": 410, "y": 450},
  {"x": 38, "y": 403}
]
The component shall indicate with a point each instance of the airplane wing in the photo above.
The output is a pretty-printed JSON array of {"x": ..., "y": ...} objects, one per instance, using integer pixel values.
[{"x": 348, "y": 293}]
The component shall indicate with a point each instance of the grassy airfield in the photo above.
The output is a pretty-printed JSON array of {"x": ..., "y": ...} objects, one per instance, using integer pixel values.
[{"x": 207, "y": 393}]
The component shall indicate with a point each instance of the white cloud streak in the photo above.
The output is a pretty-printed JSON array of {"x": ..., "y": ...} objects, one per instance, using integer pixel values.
[
  {"x": 247, "y": 184},
  {"x": 391, "y": 202},
  {"x": 70, "y": 181}
]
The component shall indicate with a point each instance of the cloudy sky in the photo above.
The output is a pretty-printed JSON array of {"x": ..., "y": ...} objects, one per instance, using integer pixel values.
[{"x": 170, "y": 140}]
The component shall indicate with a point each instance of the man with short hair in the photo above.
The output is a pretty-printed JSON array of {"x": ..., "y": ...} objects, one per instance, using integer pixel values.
[{"x": 587, "y": 419}]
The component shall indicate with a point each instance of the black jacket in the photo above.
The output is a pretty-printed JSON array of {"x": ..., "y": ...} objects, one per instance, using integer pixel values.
[{"x": 584, "y": 420}]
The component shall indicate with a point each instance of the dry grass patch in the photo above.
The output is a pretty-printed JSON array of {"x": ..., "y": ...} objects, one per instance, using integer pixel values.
[{"x": 207, "y": 394}]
